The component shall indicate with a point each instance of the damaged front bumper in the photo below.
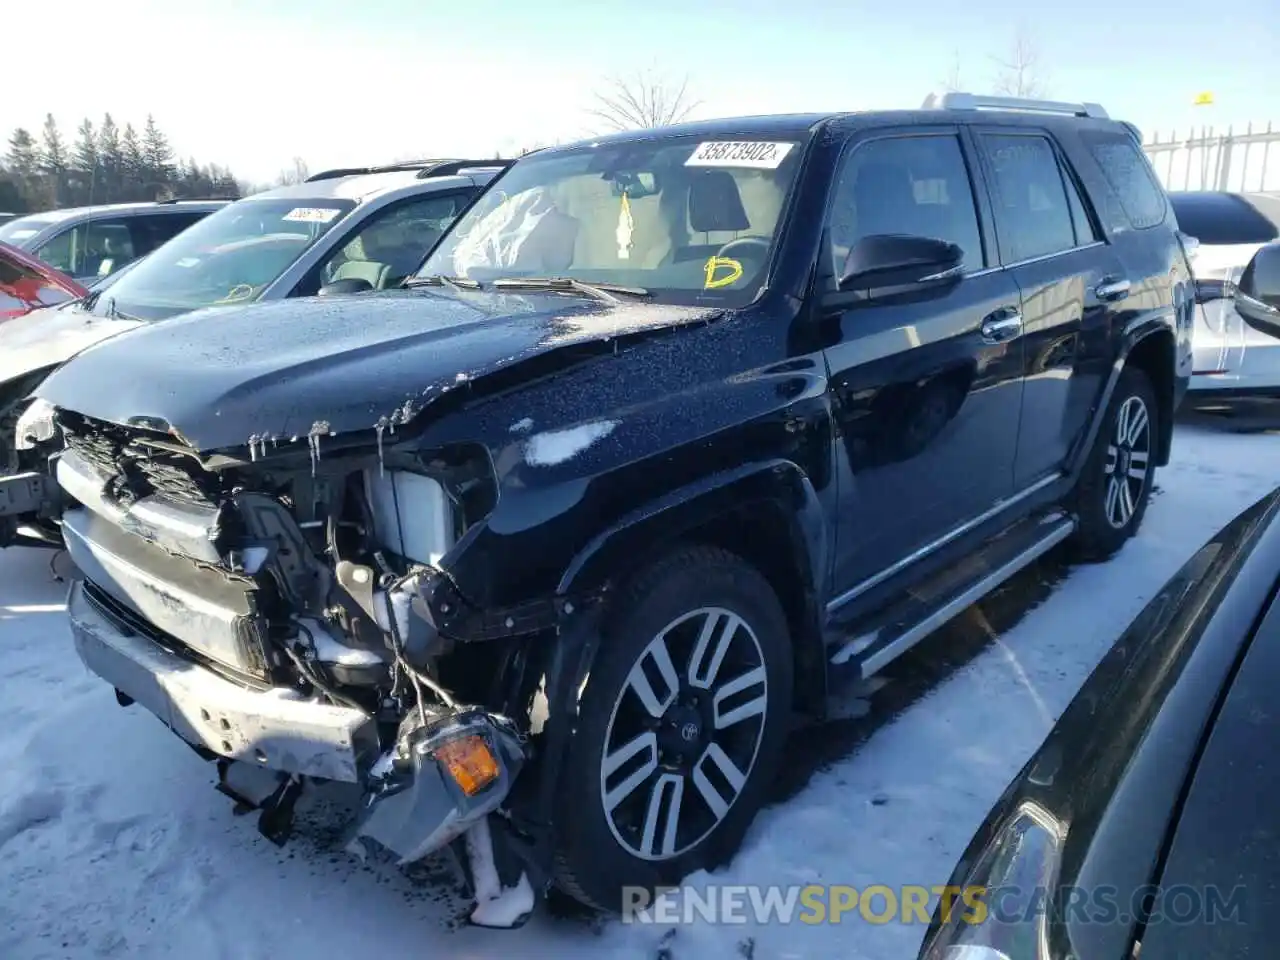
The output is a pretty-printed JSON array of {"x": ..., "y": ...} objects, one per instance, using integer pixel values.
[
  {"x": 267, "y": 728},
  {"x": 443, "y": 776}
]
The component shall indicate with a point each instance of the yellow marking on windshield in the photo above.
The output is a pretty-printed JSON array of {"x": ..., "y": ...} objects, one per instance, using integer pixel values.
[
  {"x": 241, "y": 291},
  {"x": 721, "y": 263}
]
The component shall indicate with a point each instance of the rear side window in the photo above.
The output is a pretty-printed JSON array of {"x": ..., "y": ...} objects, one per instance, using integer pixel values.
[
  {"x": 1221, "y": 219},
  {"x": 1130, "y": 176},
  {"x": 1034, "y": 212},
  {"x": 164, "y": 227}
]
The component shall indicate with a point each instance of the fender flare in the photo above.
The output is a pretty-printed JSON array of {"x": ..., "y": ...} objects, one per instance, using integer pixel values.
[
  {"x": 677, "y": 512},
  {"x": 674, "y": 514},
  {"x": 1140, "y": 329}
]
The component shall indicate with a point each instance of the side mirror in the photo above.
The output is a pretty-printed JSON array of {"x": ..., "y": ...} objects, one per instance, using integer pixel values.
[
  {"x": 345, "y": 286},
  {"x": 1257, "y": 294},
  {"x": 893, "y": 260}
]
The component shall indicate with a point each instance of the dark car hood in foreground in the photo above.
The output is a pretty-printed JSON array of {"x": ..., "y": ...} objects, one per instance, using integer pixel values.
[
  {"x": 289, "y": 368},
  {"x": 1113, "y": 769}
]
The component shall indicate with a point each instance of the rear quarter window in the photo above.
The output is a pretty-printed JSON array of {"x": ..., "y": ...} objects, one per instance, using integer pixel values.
[{"x": 1130, "y": 177}]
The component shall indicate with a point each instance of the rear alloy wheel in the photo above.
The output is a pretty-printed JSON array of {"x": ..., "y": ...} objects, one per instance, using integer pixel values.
[
  {"x": 1115, "y": 487},
  {"x": 682, "y": 724},
  {"x": 1128, "y": 462}
]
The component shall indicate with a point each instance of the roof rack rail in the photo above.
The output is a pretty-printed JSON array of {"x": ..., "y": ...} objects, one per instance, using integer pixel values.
[
  {"x": 970, "y": 101},
  {"x": 197, "y": 199},
  {"x": 425, "y": 168},
  {"x": 453, "y": 167}
]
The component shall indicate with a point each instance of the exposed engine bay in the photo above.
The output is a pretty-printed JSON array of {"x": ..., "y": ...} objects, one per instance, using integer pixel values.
[{"x": 286, "y": 614}]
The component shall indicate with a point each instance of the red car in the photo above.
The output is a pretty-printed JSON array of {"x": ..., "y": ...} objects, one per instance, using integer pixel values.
[{"x": 27, "y": 284}]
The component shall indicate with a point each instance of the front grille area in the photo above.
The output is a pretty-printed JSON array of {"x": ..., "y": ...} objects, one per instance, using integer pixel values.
[
  {"x": 130, "y": 623},
  {"x": 139, "y": 470},
  {"x": 181, "y": 604}
]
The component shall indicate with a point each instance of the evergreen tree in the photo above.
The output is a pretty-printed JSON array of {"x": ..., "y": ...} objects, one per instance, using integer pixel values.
[
  {"x": 86, "y": 163},
  {"x": 22, "y": 153},
  {"x": 11, "y": 198},
  {"x": 108, "y": 165},
  {"x": 52, "y": 160},
  {"x": 157, "y": 155},
  {"x": 110, "y": 157},
  {"x": 132, "y": 166}
]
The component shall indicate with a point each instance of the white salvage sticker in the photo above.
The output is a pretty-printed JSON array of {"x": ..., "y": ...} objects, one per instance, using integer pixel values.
[
  {"x": 312, "y": 214},
  {"x": 760, "y": 155}
]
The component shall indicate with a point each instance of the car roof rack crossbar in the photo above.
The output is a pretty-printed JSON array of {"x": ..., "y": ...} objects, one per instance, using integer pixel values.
[
  {"x": 197, "y": 200},
  {"x": 969, "y": 101},
  {"x": 451, "y": 168},
  {"x": 426, "y": 168}
]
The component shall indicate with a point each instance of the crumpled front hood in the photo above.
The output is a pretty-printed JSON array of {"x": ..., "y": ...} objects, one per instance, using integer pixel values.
[
  {"x": 286, "y": 369},
  {"x": 51, "y": 336}
]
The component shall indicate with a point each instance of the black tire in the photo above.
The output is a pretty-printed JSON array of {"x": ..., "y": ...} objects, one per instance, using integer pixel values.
[
  {"x": 592, "y": 863},
  {"x": 1107, "y": 517}
]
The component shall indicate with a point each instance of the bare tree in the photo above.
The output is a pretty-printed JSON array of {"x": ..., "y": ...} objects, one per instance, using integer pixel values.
[
  {"x": 297, "y": 173},
  {"x": 953, "y": 83},
  {"x": 644, "y": 100},
  {"x": 1020, "y": 73}
]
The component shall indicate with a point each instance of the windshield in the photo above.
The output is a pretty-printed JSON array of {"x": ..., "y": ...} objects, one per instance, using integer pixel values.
[
  {"x": 690, "y": 221},
  {"x": 230, "y": 256},
  {"x": 22, "y": 231}
]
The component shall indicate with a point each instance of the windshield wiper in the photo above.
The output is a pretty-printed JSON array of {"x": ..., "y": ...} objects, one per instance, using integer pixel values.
[
  {"x": 89, "y": 302},
  {"x": 439, "y": 280},
  {"x": 600, "y": 291}
]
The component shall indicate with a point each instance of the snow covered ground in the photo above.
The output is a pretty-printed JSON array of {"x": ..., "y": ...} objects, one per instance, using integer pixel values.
[{"x": 114, "y": 843}]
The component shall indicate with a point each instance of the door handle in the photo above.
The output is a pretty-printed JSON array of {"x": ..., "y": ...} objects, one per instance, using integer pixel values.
[
  {"x": 1001, "y": 326},
  {"x": 1112, "y": 288}
]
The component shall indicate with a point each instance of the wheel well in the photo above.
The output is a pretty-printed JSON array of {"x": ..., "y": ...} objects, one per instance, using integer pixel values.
[
  {"x": 762, "y": 535},
  {"x": 1154, "y": 356}
]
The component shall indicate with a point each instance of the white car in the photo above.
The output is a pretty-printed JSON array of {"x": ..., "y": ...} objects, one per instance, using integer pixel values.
[{"x": 1231, "y": 359}]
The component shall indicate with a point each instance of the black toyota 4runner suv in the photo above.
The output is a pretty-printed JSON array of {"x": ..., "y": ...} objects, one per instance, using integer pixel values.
[{"x": 547, "y": 552}]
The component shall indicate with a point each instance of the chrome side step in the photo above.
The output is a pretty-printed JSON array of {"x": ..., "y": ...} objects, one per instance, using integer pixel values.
[{"x": 887, "y": 635}]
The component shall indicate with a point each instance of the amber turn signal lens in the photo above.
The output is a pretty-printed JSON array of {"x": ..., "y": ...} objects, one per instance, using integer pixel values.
[{"x": 470, "y": 763}]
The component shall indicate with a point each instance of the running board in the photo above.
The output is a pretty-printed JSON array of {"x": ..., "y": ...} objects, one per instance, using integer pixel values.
[{"x": 887, "y": 635}]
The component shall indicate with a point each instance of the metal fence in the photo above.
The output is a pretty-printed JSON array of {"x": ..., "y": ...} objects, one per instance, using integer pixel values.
[{"x": 1207, "y": 159}]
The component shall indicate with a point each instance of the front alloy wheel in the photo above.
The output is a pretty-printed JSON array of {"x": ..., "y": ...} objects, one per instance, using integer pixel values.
[
  {"x": 684, "y": 733},
  {"x": 680, "y": 731}
]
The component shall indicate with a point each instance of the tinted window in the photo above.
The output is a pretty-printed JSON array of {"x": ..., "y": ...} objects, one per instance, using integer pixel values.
[
  {"x": 1033, "y": 213},
  {"x": 164, "y": 227},
  {"x": 389, "y": 245},
  {"x": 1129, "y": 173},
  {"x": 913, "y": 185},
  {"x": 94, "y": 249},
  {"x": 1086, "y": 232},
  {"x": 1227, "y": 218}
]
